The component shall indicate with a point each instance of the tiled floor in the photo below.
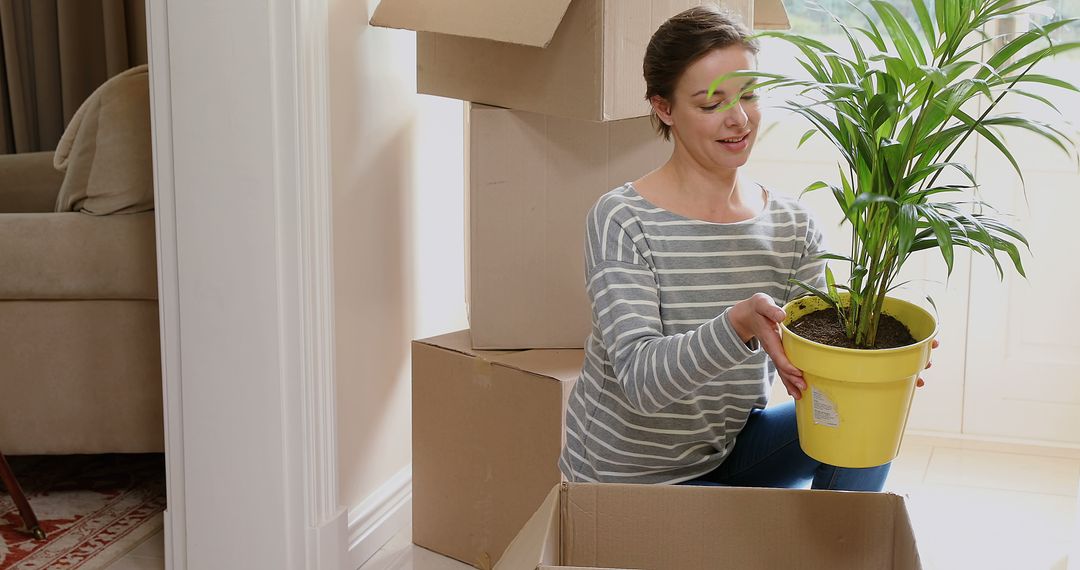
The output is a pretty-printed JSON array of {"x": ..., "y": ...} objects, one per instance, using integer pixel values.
[
  {"x": 978, "y": 505},
  {"x": 974, "y": 505}
]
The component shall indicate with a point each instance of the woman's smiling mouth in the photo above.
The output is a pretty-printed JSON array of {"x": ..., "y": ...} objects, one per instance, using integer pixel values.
[
  {"x": 735, "y": 144},
  {"x": 737, "y": 139}
]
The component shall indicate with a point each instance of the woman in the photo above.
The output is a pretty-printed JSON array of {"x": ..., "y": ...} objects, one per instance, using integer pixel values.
[{"x": 685, "y": 269}]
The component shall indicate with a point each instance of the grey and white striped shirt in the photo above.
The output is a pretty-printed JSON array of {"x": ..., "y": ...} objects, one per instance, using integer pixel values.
[{"x": 667, "y": 384}]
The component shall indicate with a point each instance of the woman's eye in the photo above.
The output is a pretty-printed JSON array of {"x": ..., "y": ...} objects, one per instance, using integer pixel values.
[{"x": 745, "y": 97}]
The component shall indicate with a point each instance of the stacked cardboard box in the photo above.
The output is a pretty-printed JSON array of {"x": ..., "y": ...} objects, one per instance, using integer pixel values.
[
  {"x": 532, "y": 179},
  {"x": 579, "y": 59},
  {"x": 487, "y": 428},
  {"x": 557, "y": 118},
  {"x": 563, "y": 119}
]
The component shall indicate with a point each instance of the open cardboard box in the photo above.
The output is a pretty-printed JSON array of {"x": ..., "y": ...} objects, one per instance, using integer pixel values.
[
  {"x": 579, "y": 59},
  {"x": 664, "y": 527}
]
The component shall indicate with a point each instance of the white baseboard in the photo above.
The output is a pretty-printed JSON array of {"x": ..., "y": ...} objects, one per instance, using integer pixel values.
[
  {"x": 379, "y": 517},
  {"x": 327, "y": 543},
  {"x": 951, "y": 439}
]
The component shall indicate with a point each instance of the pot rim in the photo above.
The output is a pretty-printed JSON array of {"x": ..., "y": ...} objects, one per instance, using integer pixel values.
[{"x": 864, "y": 351}]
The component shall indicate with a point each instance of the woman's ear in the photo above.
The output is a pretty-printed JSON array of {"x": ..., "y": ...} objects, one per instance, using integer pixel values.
[{"x": 662, "y": 108}]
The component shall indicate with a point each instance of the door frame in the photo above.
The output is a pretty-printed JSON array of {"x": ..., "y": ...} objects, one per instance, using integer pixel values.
[{"x": 280, "y": 139}]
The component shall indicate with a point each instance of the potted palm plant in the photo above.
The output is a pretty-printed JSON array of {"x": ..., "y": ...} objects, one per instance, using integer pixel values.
[{"x": 898, "y": 108}]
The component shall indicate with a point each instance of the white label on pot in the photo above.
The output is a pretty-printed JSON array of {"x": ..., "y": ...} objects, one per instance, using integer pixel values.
[{"x": 824, "y": 409}]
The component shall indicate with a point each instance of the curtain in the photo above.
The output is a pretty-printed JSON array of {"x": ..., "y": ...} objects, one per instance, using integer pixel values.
[{"x": 53, "y": 54}]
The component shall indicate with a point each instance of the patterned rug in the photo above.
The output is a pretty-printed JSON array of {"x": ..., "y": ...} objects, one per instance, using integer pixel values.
[{"x": 94, "y": 509}]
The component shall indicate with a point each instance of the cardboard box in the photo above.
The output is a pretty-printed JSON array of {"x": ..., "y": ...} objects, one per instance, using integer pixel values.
[
  {"x": 531, "y": 181},
  {"x": 662, "y": 527},
  {"x": 487, "y": 431},
  {"x": 579, "y": 59}
]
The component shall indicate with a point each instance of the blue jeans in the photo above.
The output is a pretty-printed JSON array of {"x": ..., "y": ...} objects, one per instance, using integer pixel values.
[{"x": 767, "y": 454}]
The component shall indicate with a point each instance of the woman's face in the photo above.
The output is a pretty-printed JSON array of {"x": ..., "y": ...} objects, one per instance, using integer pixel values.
[{"x": 715, "y": 139}]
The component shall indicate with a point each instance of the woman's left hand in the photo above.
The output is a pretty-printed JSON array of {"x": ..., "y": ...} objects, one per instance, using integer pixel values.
[{"x": 919, "y": 383}]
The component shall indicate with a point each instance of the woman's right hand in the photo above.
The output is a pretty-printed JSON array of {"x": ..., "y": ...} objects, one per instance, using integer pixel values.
[{"x": 759, "y": 317}]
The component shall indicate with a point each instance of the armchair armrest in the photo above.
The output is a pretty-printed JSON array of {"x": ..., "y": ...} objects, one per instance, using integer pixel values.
[
  {"x": 69, "y": 255},
  {"x": 28, "y": 182}
]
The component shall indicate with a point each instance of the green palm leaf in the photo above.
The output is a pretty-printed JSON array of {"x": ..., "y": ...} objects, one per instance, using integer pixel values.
[{"x": 897, "y": 110}]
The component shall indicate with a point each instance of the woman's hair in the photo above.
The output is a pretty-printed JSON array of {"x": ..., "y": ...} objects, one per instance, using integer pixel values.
[{"x": 681, "y": 41}]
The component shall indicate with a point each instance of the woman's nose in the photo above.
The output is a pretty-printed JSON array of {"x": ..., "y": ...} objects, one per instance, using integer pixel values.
[{"x": 736, "y": 116}]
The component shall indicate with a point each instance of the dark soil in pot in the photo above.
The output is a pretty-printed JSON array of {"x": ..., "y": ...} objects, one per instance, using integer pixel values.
[{"x": 824, "y": 327}]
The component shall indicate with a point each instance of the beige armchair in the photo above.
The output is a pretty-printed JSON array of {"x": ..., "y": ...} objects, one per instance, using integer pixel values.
[{"x": 80, "y": 366}]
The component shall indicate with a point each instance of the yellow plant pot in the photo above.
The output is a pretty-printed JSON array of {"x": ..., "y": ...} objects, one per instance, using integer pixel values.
[{"x": 855, "y": 406}]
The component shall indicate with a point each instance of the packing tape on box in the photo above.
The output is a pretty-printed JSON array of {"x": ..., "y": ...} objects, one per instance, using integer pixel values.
[{"x": 481, "y": 372}]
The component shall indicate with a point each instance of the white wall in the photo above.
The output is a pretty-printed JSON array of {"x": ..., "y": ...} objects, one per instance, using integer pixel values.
[{"x": 397, "y": 168}]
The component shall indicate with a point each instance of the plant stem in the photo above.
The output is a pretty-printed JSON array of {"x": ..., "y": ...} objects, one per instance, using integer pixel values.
[
  {"x": 879, "y": 302},
  {"x": 862, "y": 329}
]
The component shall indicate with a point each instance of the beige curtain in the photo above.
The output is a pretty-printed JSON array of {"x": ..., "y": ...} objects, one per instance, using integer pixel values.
[{"x": 53, "y": 54}]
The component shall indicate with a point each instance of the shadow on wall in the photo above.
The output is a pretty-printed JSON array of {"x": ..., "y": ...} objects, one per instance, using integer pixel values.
[{"x": 372, "y": 125}]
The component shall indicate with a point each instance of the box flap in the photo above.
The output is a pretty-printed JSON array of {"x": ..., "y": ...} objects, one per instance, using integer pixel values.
[
  {"x": 537, "y": 543},
  {"x": 770, "y": 15},
  {"x": 545, "y": 567},
  {"x": 563, "y": 365},
  {"x": 461, "y": 342},
  {"x": 905, "y": 547},
  {"x": 526, "y": 22}
]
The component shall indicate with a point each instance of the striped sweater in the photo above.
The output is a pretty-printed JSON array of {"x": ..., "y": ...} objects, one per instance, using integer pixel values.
[{"x": 667, "y": 384}]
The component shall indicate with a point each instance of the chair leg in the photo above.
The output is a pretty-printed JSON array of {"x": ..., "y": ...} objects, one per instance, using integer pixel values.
[{"x": 27, "y": 513}]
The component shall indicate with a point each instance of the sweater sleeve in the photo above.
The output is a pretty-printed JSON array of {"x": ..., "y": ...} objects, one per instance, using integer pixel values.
[
  {"x": 811, "y": 267},
  {"x": 654, "y": 369}
]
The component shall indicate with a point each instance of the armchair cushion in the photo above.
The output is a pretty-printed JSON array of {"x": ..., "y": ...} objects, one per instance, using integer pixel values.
[
  {"x": 75, "y": 256},
  {"x": 105, "y": 150},
  {"x": 28, "y": 182}
]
